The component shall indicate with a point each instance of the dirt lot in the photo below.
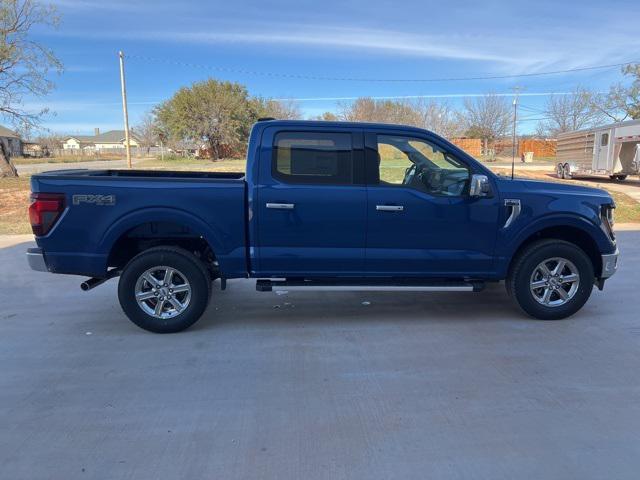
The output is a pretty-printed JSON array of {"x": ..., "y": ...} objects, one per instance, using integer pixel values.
[{"x": 14, "y": 199}]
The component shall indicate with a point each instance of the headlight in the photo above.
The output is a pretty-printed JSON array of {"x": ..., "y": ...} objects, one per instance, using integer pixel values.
[{"x": 607, "y": 216}]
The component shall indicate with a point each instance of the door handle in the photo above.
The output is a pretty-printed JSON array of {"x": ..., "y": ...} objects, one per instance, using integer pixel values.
[
  {"x": 281, "y": 206},
  {"x": 389, "y": 208}
]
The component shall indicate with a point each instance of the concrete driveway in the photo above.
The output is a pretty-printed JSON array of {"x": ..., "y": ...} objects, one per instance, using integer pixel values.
[{"x": 318, "y": 386}]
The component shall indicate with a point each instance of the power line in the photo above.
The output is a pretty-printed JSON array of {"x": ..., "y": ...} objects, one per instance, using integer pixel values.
[{"x": 366, "y": 79}]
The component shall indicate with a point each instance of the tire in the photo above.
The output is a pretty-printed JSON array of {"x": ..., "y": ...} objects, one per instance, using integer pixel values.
[
  {"x": 527, "y": 272},
  {"x": 164, "y": 309},
  {"x": 560, "y": 170},
  {"x": 566, "y": 171}
]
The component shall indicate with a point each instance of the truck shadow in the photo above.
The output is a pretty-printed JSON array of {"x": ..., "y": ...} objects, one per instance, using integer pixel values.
[{"x": 308, "y": 308}]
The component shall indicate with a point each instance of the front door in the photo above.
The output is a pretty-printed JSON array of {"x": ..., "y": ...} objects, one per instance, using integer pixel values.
[
  {"x": 311, "y": 203},
  {"x": 421, "y": 220}
]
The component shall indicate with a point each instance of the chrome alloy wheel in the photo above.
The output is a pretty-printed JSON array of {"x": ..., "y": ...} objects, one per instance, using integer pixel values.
[
  {"x": 554, "y": 282},
  {"x": 163, "y": 292}
]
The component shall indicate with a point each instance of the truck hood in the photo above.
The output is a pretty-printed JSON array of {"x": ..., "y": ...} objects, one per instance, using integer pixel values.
[{"x": 552, "y": 188}]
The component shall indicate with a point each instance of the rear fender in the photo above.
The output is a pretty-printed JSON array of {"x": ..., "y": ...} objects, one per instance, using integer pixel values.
[{"x": 210, "y": 234}]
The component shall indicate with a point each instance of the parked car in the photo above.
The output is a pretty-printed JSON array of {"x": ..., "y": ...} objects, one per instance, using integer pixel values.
[{"x": 324, "y": 206}]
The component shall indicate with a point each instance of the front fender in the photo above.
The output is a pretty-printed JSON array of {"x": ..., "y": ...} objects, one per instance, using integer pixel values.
[{"x": 512, "y": 238}]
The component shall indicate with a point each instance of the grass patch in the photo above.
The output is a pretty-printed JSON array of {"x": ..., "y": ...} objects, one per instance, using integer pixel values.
[{"x": 627, "y": 209}]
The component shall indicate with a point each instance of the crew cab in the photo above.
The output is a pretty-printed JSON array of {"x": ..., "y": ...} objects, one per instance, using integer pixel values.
[{"x": 326, "y": 206}]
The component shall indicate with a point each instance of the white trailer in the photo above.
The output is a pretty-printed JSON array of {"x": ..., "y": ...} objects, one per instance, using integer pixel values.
[{"x": 612, "y": 150}]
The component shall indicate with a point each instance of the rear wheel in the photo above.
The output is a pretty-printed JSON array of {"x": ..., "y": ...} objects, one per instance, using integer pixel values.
[
  {"x": 566, "y": 171},
  {"x": 560, "y": 170},
  {"x": 551, "y": 279},
  {"x": 164, "y": 289}
]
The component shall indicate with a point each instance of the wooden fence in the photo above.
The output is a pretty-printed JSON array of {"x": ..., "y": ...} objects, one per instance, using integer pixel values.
[
  {"x": 539, "y": 147},
  {"x": 473, "y": 146}
]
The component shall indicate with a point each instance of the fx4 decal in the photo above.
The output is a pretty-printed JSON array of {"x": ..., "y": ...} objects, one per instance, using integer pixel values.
[{"x": 104, "y": 200}]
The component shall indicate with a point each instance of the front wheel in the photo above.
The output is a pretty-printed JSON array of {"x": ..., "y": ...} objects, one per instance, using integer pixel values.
[
  {"x": 551, "y": 279},
  {"x": 164, "y": 289}
]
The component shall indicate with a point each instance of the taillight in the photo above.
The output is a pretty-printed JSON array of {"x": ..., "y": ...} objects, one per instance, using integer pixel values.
[{"x": 44, "y": 211}]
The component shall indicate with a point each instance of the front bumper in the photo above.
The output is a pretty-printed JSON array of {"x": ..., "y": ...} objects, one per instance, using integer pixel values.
[
  {"x": 35, "y": 257},
  {"x": 609, "y": 264}
]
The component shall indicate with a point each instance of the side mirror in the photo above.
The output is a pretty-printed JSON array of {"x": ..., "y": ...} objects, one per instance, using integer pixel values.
[{"x": 480, "y": 186}]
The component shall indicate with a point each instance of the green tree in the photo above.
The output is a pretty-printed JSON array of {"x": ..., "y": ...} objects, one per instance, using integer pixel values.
[
  {"x": 25, "y": 65},
  {"x": 218, "y": 114}
]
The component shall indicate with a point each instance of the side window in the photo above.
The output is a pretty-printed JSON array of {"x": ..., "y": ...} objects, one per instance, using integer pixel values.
[
  {"x": 604, "y": 140},
  {"x": 416, "y": 163},
  {"x": 313, "y": 157}
]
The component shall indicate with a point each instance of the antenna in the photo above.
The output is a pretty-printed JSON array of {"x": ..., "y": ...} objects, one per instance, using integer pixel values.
[{"x": 516, "y": 90}]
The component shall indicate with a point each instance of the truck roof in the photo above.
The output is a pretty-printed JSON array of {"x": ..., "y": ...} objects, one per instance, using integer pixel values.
[{"x": 340, "y": 124}]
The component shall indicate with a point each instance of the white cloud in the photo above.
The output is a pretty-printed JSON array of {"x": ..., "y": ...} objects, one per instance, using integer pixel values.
[{"x": 505, "y": 50}]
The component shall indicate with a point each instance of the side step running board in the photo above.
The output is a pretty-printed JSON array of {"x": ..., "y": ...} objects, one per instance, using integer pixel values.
[{"x": 348, "y": 285}]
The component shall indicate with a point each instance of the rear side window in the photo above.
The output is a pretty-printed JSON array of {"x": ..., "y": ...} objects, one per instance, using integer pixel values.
[
  {"x": 604, "y": 141},
  {"x": 313, "y": 157}
]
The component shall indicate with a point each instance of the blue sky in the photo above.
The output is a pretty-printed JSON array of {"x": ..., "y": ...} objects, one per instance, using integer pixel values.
[{"x": 172, "y": 44}]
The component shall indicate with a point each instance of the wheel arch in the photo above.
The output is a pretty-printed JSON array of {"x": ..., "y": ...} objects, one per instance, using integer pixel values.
[
  {"x": 154, "y": 227},
  {"x": 571, "y": 233}
]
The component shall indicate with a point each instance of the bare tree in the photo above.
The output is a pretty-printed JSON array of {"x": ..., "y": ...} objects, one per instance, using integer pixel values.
[
  {"x": 366, "y": 109},
  {"x": 623, "y": 101},
  {"x": 25, "y": 65},
  {"x": 280, "y": 109},
  {"x": 147, "y": 132},
  {"x": 440, "y": 118},
  {"x": 566, "y": 113},
  {"x": 487, "y": 117},
  {"x": 49, "y": 142},
  {"x": 327, "y": 117}
]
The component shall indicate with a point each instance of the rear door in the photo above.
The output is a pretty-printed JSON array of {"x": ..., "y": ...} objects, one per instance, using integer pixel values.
[
  {"x": 421, "y": 220},
  {"x": 603, "y": 143},
  {"x": 311, "y": 202}
]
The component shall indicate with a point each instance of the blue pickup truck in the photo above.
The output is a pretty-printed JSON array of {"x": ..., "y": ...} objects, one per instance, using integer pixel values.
[{"x": 324, "y": 206}]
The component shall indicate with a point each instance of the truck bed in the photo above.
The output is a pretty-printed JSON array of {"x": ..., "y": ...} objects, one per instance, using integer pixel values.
[
  {"x": 104, "y": 206},
  {"x": 150, "y": 174}
]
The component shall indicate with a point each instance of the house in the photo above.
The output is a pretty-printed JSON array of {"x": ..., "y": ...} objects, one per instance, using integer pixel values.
[
  {"x": 12, "y": 140},
  {"x": 111, "y": 140}
]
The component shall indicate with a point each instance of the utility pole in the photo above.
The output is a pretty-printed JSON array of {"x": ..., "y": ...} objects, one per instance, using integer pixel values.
[
  {"x": 123, "y": 86},
  {"x": 516, "y": 90}
]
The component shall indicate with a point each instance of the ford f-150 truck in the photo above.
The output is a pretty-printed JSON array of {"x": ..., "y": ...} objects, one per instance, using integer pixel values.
[{"x": 325, "y": 206}]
